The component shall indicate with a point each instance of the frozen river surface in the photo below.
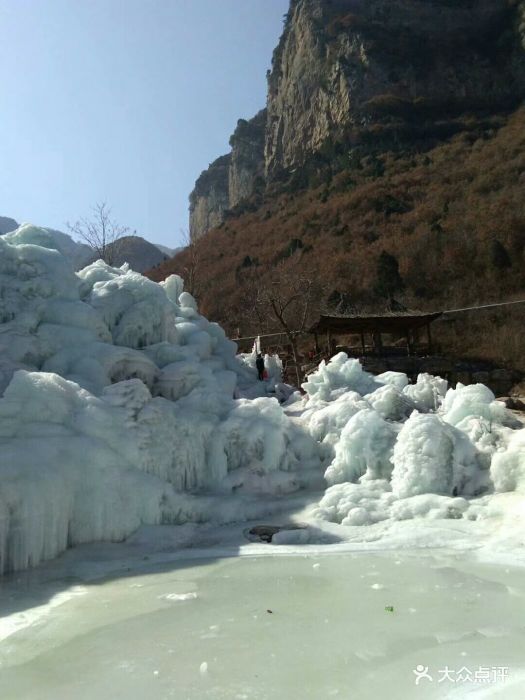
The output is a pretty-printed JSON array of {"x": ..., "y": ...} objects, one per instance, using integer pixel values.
[{"x": 348, "y": 626}]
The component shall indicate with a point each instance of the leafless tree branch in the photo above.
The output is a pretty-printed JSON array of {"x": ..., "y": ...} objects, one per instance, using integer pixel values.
[
  {"x": 191, "y": 269},
  {"x": 100, "y": 232},
  {"x": 286, "y": 296}
]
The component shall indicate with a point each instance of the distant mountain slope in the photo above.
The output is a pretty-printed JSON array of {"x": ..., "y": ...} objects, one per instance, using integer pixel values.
[
  {"x": 388, "y": 163},
  {"x": 140, "y": 254},
  {"x": 170, "y": 252},
  {"x": 452, "y": 217},
  {"x": 7, "y": 224}
]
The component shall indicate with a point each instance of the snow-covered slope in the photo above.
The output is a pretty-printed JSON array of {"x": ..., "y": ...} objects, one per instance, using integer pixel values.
[{"x": 121, "y": 405}]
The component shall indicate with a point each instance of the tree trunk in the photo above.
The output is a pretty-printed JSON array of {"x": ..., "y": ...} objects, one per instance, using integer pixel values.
[{"x": 293, "y": 343}]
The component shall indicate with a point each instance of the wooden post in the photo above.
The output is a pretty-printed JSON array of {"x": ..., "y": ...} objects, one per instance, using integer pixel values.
[
  {"x": 429, "y": 336},
  {"x": 363, "y": 343},
  {"x": 378, "y": 343},
  {"x": 408, "y": 341}
]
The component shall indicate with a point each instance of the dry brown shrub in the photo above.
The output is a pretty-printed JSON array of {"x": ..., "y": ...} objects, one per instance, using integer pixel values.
[{"x": 461, "y": 196}]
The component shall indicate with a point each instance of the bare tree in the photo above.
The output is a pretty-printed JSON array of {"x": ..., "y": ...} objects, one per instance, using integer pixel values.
[
  {"x": 100, "y": 232},
  {"x": 191, "y": 266},
  {"x": 286, "y": 297}
]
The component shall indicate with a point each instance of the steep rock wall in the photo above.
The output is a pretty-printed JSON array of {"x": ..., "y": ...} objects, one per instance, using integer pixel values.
[
  {"x": 210, "y": 197},
  {"x": 231, "y": 178},
  {"x": 343, "y": 67},
  {"x": 342, "y": 64},
  {"x": 247, "y": 157}
]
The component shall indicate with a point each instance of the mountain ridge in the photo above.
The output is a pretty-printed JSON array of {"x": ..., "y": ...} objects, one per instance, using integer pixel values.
[{"x": 347, "y": 74}]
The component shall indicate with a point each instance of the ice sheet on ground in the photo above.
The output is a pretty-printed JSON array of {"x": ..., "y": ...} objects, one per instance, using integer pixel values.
[{"x": 354, "y": 625}]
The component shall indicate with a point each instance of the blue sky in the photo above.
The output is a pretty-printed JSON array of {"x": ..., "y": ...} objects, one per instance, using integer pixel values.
[{"x": 124, "y": 101}]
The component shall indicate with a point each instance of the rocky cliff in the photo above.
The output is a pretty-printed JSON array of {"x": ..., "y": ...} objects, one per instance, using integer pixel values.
[
  {"x": 231, "y": 178},
  {"x": 342, "y": 65},
  {"x": 346, "y": 69},
  {"x": 247, "y": 157},
  {"x": 210, "y": 197}
]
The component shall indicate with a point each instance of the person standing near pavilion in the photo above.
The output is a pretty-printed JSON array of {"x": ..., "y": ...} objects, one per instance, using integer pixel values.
[{"x": 259, "y": 363}]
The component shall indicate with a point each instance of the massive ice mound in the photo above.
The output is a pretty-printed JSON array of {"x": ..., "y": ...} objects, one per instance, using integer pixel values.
[
  {"x": 508, "y": 466},
  {"x": 431, "y": 457},
  {"x": 397, "y": 450},
  {"x": 120, "y": 405},
  {"x": 364, "y": 448},
  {"x": 338, "y": 376},
  {"x": 79, "y": 254}
]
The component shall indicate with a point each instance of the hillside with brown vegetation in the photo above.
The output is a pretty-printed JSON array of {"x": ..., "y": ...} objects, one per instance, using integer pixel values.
[
  {"x": 452, "y": 217},
  {"x": 366, "y": 76}
]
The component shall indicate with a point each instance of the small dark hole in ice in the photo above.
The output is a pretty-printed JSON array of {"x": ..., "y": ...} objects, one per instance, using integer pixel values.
[{"x": 265, "y": 533}]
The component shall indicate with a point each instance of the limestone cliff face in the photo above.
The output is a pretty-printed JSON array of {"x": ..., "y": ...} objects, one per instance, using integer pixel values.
[
  {"x": 231, "y": 178},
  {"x": 342, "y": 64},
  {"x": 345, "y": 67},
  {"x": 521, "y": 21},
  {"x": 247, "y": 157},
  {"x": 210, "y": 197}
]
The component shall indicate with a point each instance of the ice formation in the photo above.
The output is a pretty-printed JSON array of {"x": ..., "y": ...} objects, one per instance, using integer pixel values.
[
  {"x": 79, "y": 254},
  {"x": 121, "y": 405},
  {"x": 118, "y": 406},
  {"x": 399, "y": 450}
]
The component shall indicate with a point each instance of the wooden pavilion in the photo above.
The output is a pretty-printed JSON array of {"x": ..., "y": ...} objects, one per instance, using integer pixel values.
[{"x": 406, "y": 325}]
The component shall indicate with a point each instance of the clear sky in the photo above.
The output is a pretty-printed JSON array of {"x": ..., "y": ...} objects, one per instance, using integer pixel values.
[{"x": 124, "y": 101}]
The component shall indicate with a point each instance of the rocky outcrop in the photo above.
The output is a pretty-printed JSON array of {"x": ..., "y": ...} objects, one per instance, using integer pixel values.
[
  {"x": 520, "y": 19},
  {"x": 231, "y": 178},
  {"x": 343, "y": 64},
  {"x": 247, "y": 157},
  {"x": 210, "y": 197},
  {"x": 345, "y": 70}
]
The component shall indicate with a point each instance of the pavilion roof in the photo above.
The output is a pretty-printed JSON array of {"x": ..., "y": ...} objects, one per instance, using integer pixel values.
[{"x": 388, "y": 322}]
